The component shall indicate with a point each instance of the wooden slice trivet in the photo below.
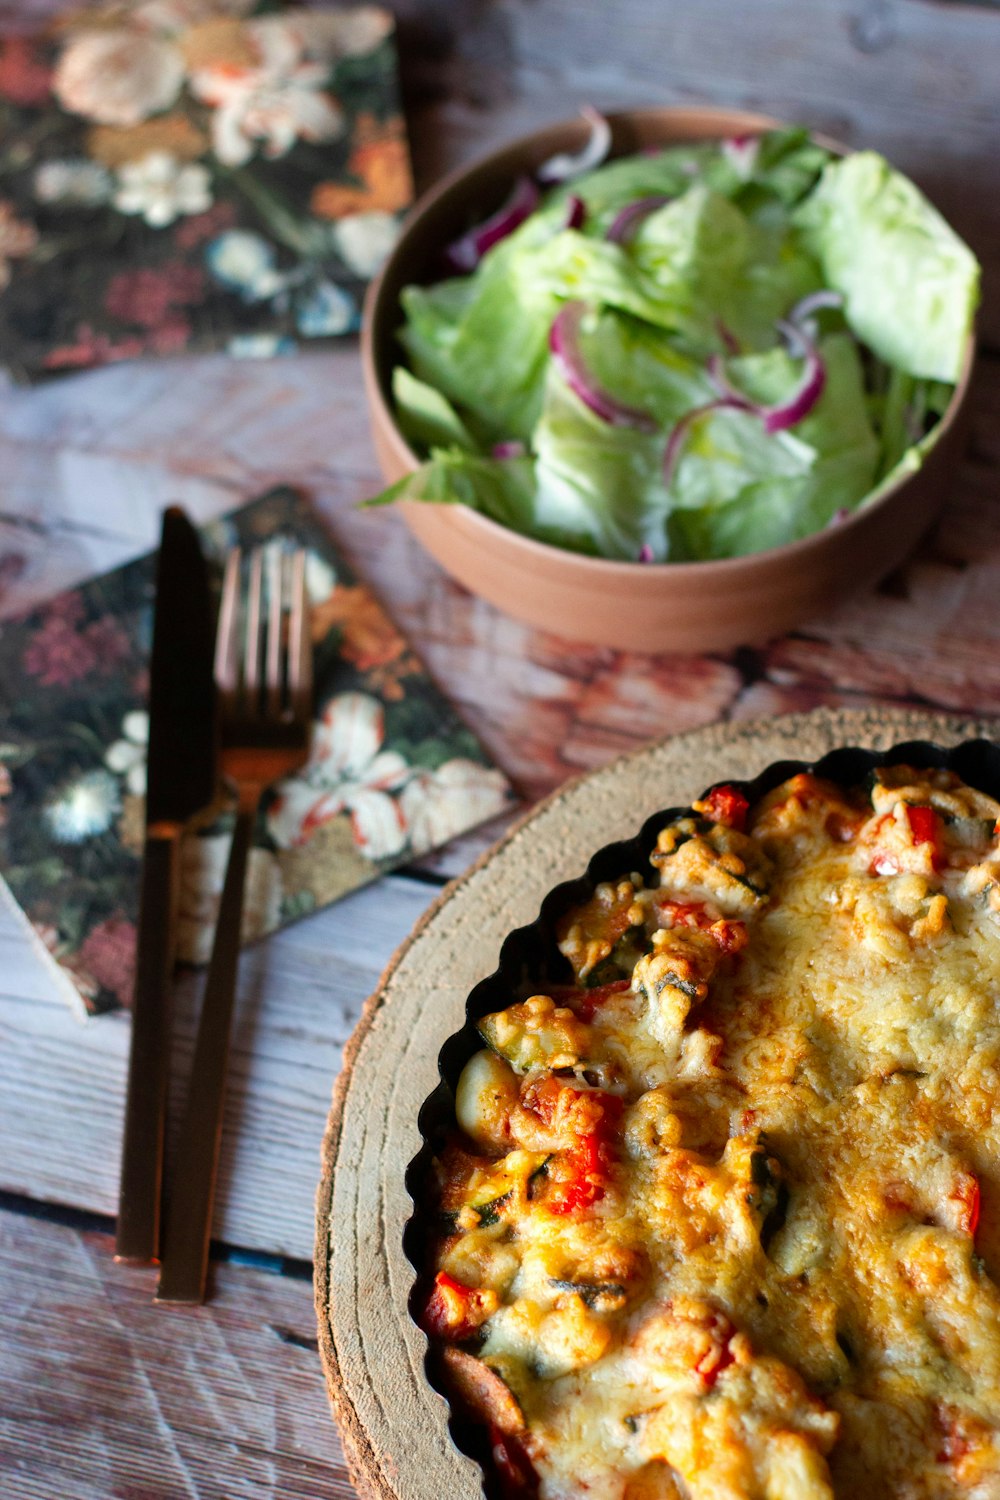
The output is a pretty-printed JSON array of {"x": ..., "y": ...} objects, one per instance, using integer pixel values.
[{"x": 393, "y": 1424}]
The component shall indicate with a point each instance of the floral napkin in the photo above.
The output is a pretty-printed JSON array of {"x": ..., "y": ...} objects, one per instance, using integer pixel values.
[
  {"x": 393, "y": 771},
  {"x": 193, "y": 174}
]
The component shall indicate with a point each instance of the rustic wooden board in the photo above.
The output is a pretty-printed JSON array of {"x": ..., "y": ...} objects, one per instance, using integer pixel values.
[
  {"x": 393, "y": 1425},
  {"x": 105, "y": 1397},
  {"x": 62, "y": 1084}
]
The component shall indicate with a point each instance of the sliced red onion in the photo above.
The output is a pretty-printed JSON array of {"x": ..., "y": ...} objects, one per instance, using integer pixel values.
[
  {"x": 741, "y": 153},
  {"x": 809, "y": 389},
  {"x": 510, "y": 449},
  {"x": 564, "y": 342},
  {"x": 465, "y": 254},
  {"x": 678, "y": 437},
  {"x": 838, "y": 518},
  {"x": 716, "y": 371},
  {"x": 796, "y": 406},
  {"x": 567, "y": 164},
  {"x": 645, "y": 554},
  {"x": 728, "y": 337},
  {"x": 814, "y": 303},
  {"x": 575, "y": 213},
  {"x": 628, "y": 219}
]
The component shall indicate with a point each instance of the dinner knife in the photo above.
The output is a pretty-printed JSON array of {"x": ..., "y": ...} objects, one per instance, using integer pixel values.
[{"x": 181, "y": 781}]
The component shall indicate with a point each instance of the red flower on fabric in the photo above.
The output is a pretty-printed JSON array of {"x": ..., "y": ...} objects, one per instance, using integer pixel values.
[
  {"x": 147, "y": 297},
  {"x": 91, "y": 348},
  {"x": 62, "y": 653},
  {"x": 24, "y": 78},
  {"x": 108, "y": 953},
  {"x": 198, "y": 228}
]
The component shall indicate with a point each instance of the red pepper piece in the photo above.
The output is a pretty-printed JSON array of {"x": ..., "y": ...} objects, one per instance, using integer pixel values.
[
  {"x": 449, "y": 1312},
  {"x": 731, "y": 936},
  {"x": 586, "y": 1003},
  {"x": 967, "y": 1195},
  {"x": 724, "y": 804}
]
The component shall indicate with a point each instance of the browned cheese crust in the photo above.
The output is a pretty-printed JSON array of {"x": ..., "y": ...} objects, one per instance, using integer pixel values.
[{"x": 720, "y": 1218}]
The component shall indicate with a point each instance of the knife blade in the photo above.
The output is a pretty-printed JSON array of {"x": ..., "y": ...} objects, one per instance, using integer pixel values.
[{"x": 181, "y": 782}]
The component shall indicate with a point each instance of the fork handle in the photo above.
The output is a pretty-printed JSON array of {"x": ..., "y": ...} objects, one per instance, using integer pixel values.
[{"x": 189, "y": 1205}]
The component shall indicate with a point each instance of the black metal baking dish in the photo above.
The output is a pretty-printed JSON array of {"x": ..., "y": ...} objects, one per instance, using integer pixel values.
[{"x": 529, "y": 959}]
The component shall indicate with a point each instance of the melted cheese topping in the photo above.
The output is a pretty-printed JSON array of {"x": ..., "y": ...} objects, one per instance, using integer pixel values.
[{"x": 724, "y": 1220}]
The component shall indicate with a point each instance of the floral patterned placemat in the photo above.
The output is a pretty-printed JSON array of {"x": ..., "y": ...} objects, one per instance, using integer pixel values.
[
  {"x": 193, "y": 174},
  {"x": 393, "y": 772}
]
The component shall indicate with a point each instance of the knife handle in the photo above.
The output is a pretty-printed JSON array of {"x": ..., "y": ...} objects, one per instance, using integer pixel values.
[
  {"x": 192, "y": 1187},
  {"x": 138, "y": 1235}
]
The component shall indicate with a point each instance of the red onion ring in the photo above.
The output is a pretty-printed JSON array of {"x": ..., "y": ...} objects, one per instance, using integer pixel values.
[
  {"x": 576, "y": 212},
  {"x": 809, "y": 389},
  {"x": 564, "y": 342},
  {"x": 813, "y": 303},
  {"x": 678, "y": 437},
  {"x": 800, "y": 403},
  {"x": 567, "y": 164},
  {"x": 509, "y": 449},
  {"x": 645, "y": 554},
  {"x": 464, "y": 254},
  {"x": 628, "y": 219}
]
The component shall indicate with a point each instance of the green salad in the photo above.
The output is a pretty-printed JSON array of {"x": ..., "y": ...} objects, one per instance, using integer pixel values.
[{"x": 692, "y": 353}]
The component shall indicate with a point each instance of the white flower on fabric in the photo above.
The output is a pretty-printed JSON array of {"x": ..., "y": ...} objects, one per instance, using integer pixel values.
[
  {"x": 348, "y": 771},
  {"x": 275, "y": 103},
  {"x": 83, "y": 808},
  {"x": 331, "y": 34},
  {"x": 327, "y": 310},
  {"x": 72, "y": 181},
  {"x": 203, "y": 872},
  {"x": 244, "y": 262},
  {"x": 260, "y": 345},
  {"x": 439, "y": 805},
  {"x": 118, "y": 77},
  {"x": 177, "y": 15},
  {"x": 321, "y": 580},
  {"x": 162, "y": 189},
  {"x": 364, "y": 240},
  {"x": 127, "y": 756}
]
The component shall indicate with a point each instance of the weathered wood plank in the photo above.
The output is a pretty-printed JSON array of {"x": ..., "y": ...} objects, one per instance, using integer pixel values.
[
  {"x": 104, "y": 1395},
  {"x": 62, "y": 1084}
]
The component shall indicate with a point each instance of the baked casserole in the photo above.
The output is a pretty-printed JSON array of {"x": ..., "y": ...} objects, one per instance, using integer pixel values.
[{"x": 718, "y": 1215}]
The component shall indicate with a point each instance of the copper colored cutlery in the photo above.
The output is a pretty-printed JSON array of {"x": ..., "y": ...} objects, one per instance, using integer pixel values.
[{"x": 263, "y": 691}]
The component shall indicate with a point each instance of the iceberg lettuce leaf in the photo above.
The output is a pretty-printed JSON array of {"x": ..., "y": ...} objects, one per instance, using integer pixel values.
[{"x": 911, "y": 285}]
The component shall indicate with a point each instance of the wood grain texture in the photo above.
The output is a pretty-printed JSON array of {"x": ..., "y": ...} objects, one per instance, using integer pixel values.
[
  {"x": 62, "y": 1084},
  {"x": 393, "y": 1424},
  {"x": 105, "y": 1397}
]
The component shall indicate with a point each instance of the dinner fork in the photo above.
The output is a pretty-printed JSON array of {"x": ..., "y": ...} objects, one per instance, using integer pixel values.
[{"x": 263, "y": 673}]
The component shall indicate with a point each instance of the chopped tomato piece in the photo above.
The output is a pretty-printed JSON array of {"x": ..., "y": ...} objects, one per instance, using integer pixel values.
[
  {"x": 724, "y": 804},
  {"x": 730, "y": 935},
  {"x": 965, "y": 1193},
  {"x": 585, "y": 1165},
  {"x": 585, "y": 1003},
  {"x": 923, "y": 823},
  {"x": 454, "y": 1310},
  {"x": 712, "y": 1364}
]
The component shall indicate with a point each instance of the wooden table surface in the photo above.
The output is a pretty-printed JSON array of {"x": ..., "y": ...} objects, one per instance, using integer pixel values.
[{"x": 102, "y": 1394}]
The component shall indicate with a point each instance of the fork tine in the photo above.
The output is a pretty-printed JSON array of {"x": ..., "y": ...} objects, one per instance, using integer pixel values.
[
  {"x": 227, "y": 663},
  {"x": 254, "y": 631},
  {"x": 275, "y": 593},
  {"x": 300, "y": 685}
]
